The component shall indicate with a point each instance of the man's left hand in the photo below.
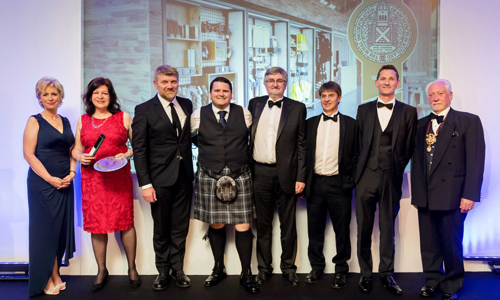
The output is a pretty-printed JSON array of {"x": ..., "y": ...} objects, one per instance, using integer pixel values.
[
  {"x": 466, "y": 205},
  {"x": 299, "y": 187}
]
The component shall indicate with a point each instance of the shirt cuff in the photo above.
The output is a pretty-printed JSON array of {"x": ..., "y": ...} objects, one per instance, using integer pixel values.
[{"x": 147, "y": 186}]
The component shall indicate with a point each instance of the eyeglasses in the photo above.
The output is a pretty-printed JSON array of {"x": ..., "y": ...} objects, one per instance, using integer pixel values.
[{"x": 272, "y": 81}]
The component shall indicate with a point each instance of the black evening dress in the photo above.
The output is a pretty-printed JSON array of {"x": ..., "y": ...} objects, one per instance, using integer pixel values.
[{"x": 51, "y": 226}]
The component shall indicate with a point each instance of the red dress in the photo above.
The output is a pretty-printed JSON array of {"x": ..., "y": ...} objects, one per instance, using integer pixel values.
[{"x": 107, "y": 198}]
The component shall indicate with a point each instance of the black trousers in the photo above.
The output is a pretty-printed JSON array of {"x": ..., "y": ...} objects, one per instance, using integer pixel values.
[
  {"x": 328, "y": 195},
  {"x": 441, "y": 235},
  {"x": 377, "y": 186},
  {"x": 268, "y": 194},
  {"x": 171, "y": 223}
]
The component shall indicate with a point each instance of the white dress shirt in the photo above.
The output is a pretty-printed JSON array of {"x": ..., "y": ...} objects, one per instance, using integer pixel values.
[
  {"x": 182, "y": 118},
  {"x": 384, "y": 114},
  {"x": 326, "y": 160},
  {"x": 264, "y": 150},
  {"x": 195, "y": 117},
  {"x": 435, "y": 124}
]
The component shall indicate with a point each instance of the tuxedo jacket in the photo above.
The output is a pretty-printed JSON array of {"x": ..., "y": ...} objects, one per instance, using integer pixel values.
[
  {"x": 290, "y": 143},
  {"x": 348, "y": 150},
  {"x": 156, "y": 146},
  {"x": 457, "y": 164},
  {"x": 403, "y": 136}
]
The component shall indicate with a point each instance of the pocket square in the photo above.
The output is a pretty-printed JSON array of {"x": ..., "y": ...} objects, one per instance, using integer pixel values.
[{"x": 455, "y": 133}]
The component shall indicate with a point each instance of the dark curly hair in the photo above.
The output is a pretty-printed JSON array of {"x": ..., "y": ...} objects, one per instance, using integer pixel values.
[{"x": 113, "y": 106}]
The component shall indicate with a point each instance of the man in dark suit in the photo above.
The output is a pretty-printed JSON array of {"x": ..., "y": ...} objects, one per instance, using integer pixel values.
[
  {"x": 332, "y": 152},
  {"x": 278, "y": 149},
  {"x": 446, "y": 177},
  {"x": 163, "y": 162},
  {"x": 387, "y": 136}
]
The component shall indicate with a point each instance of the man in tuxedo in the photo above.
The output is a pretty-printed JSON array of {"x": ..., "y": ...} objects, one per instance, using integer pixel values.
[
  {"x": 387, "y": 137},
  {"x": 446, "y": 177},
  {"x": 278, "y": 150},
  {"x": 221, "y": 128},
  {"x": 332, "y": 152},
  {"x": 163, "y": 162}
]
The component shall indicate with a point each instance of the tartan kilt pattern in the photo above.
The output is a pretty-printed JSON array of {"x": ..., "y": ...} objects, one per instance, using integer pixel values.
[{"x": 209, "y": 209}]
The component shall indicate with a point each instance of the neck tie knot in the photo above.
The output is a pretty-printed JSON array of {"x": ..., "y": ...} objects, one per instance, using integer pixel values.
[{"x": 222, "y": 119}]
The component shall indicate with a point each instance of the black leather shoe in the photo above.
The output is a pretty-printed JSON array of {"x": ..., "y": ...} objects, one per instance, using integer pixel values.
[
  {"x": 339, "y": 281},
  {"x": 428, "y": 291},
  {"x": 248, "y": 281},
  {"x": 365, "y": 284},
  {"x": 391, "y": 285},
  {"x": 99, "y": 286},
  {"x": 216, "y": 277},
  {"x": 448, "y": 296},
  {"x": 291, "y": 278},
  {"x": 262, "y": 277},
  {"x": 313, "y": 276},
  {"x": 161, "y": 282},
  {"x": 181, "y": 279}
]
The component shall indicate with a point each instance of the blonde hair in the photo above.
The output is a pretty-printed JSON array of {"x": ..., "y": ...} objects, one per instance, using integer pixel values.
[{"x": 45, "y": 82}]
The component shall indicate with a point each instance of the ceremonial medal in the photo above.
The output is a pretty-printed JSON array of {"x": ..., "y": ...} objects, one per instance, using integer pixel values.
[{"x": 431, "y": 139}]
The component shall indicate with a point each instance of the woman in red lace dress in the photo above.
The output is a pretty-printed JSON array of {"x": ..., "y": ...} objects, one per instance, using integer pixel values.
[{"x": 107, "y": 198}]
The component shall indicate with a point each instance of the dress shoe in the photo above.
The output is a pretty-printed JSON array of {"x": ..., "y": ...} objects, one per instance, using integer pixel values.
[
  {"x": 313, "y": 276},
  {"x": 262, "y": 277},
  {"x": 449, "y": 296},
  {"x": 217, "y": 276},
  {"x": 291, "y": 278},
  {"x": 161, "y": 282},
  {"x": 181, "y": 279},
  {"x": 365, "y": 284},
  {"x": 248, "y": 281},
  {"x": 99, "y": 286},
  {"x": 391, "y": 285},
  {"x": 134, "y": 283},
  {"x": 428, "y": 291},
  {"x": 339, "y": 281}
]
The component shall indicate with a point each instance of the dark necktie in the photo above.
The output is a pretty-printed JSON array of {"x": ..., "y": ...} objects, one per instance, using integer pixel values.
[
  {"x": 326, "y": 118},
  {"x": 175, "y": 119},
  {"x": 381, "y": 104},
  {"x": 272, "y": 103},
  {"x": 222, "y": 119},
  {"x": 439, "y": 119}
]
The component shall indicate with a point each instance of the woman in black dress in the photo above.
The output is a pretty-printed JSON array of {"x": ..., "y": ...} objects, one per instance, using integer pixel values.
[{"x": 47, "y": 144}]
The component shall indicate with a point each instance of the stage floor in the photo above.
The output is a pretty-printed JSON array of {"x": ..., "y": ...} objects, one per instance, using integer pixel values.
[{"x": 478, "y": 285}]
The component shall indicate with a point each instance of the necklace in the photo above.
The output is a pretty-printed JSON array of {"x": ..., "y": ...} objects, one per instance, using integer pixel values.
[
  {"x": 97, "y": 126},
  {"x": 51, "y": 121}
]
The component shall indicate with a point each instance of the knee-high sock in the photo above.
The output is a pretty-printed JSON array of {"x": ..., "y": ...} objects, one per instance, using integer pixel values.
[
  {"x": 243, "y": 240},
  {"x": 218, "y": 243}
]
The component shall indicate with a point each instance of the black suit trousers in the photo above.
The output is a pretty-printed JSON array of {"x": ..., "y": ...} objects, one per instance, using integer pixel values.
[
  {"x": 268, "y": 195},
  {"x": 327, "y": 195},
  {"x": 171, "y": 223},
  {"x": 377, "y": 186},
  {"x": 441, "y": 235}
]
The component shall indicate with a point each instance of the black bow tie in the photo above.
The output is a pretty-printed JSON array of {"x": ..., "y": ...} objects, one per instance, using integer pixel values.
[
  {"x": 271, "y": 103},
  {"x": 381, "y": 104},
  {"x": 439, "y": 119},
  {"x": 326, "y": 118}
]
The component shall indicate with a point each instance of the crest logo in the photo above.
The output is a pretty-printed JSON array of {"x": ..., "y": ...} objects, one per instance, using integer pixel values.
[{"x": 382, "y": 32}]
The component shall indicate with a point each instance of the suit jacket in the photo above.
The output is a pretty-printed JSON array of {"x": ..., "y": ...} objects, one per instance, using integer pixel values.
[
  {"x": 457, "y": 164},
  {"x": 156, "y": 145},
  {"x": 403, "y": 136},
  {"x": 290, "y": 143},
  {"x": 348, "y": 150}
]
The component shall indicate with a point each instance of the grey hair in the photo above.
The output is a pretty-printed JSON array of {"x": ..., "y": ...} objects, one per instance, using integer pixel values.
[
  {"x": 167, "y": 70},
  {"x": 277, "y": 70},
  {"x": 45, "y": 82},
  {"x": 445, "y": 82}
]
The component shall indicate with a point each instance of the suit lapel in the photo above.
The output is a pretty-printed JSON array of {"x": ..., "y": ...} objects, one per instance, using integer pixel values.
[
  {"x": 396, "y": 114},
  {"x": 342, "y": 137},
  {"x": 444, "y": 139},
  {"x": 185, "y": 108},
  {"x": 314, "y": 136},
  {"x": 371, "y": 118},
  {"x": 285, "y": 112},
  {"x": 422, "y": 144},
  {"x": 258, "y": 112},
  {"x": 163, "y": 114}
]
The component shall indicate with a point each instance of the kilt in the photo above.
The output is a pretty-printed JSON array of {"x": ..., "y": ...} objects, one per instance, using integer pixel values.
[{"x": 209, "y": 209}]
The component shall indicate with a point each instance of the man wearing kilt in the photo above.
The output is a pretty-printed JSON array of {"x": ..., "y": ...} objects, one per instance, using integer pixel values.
[{"x": 221, "y": 130}]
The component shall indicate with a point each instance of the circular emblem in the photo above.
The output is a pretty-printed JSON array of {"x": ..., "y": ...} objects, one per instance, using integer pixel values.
[{"x": 382, "y": 32}]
